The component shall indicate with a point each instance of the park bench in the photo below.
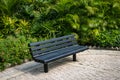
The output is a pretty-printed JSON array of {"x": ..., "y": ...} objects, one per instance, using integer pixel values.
[{"x": 53, "y": 49}]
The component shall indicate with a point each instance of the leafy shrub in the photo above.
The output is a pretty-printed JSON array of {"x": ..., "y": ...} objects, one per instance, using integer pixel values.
[
  {"x": 14, "y": 51},
  {"x": 108, "y": 39},
  {"x": 14, "y": 26},
  {"x": 117, "y": 42}
]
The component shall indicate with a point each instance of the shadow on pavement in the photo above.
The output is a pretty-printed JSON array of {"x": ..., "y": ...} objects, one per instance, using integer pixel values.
[{"x": 35, "y": 68}]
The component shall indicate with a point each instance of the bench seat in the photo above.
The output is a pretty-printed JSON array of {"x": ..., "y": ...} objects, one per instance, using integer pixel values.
[{"x": 60, "y": 53}]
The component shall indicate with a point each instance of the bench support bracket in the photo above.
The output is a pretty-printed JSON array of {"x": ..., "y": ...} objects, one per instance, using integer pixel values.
[
  {"x": 74, "y": 57},
  {"x": 45, "y": 67}
]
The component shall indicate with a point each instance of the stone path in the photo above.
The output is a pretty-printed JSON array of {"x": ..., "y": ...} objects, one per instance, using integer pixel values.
[{"x": 90, "y": 65}]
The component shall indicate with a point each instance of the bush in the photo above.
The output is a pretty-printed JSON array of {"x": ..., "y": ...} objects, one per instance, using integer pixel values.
[
  {"x": 14, "y": 51},
  {"x": 108, "y": 39}
]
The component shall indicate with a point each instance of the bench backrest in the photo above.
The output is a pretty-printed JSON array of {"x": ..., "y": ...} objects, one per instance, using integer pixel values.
[{"x": 43, "y": 47}]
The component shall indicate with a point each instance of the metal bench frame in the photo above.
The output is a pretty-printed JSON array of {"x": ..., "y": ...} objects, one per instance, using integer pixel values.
[{"x": 53, "y": 49}]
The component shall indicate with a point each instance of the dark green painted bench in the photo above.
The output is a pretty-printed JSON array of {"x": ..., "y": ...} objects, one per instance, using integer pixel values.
[{"x": 53, "y": 49}]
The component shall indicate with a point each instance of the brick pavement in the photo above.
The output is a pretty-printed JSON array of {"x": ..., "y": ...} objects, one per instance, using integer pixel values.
[{"x": 90, "y": 65}]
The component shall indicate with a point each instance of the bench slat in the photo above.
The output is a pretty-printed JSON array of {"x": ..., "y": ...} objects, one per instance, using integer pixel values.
[
  {"x": 66, "y": 54},
  {"x": 59, "y": 50},
  {"x": 60, "y": 53},
  {"x": 51, "y": 40},
  {"x": 38, "y": 52},
  {"x": 52, "y": 44}
]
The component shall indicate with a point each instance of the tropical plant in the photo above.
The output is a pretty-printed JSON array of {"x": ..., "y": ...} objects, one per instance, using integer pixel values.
[{"x": 8, "y": 7}]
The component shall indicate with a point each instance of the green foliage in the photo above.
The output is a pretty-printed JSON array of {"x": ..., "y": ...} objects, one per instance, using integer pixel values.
[
  {"x": 13, "y": 26},
  {"x": 14, "y": 51},
  {"x": 8, "y": 7},
  {"x": 108, "y": 39}
]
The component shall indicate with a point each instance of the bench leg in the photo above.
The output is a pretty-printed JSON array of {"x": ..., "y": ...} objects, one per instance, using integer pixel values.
[
  {"x": 74, "y": 57},
  {"x": 45, "y": 67}
]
